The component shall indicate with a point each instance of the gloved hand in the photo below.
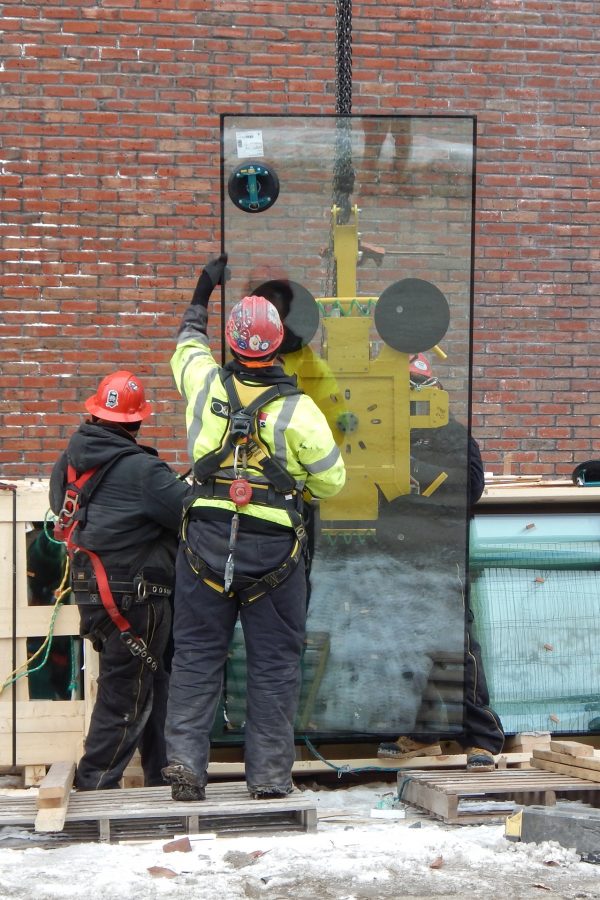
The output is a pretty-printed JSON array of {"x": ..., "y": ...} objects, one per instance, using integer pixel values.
[{"x": 215, "y": 272}]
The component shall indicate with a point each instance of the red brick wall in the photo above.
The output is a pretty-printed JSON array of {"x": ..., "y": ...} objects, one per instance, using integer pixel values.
[{"x": 110, "y": 192}]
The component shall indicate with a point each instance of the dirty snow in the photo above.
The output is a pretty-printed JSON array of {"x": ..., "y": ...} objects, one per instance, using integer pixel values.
[{"x": 352, "y": 856}]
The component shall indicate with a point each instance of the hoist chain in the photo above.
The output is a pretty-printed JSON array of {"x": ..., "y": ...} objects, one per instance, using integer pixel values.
[
  {"x": 343, "y": 172},
  {"x": 343, "y": 24}
]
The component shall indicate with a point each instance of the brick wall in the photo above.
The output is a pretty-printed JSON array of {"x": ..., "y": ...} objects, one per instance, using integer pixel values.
[{"x": 110, "y": 192}]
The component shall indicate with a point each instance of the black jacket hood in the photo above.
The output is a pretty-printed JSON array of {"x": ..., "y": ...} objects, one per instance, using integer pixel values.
[{"x": 94, "y": 444}]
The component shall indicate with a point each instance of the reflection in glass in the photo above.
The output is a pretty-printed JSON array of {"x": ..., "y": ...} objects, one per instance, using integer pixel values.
[{"x": 367, "y": 254}]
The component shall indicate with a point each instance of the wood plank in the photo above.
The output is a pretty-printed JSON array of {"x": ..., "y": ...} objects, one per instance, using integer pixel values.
[
  {"x": 530, "y": 494},
  {"x": 573, "y": 771},
  {"x": 47, "y": 746},
  {"x": 91, "y": 668},
  {"x": 33, "y": 775},
  {"x": 34, "y": 716},
  {"x": 34, "y": 621},
  {"x": 54, "y": 789},
  {"x": 571, "y": 748},
  {"x": 50, "y": 820},
  {"x": 581, "y": 762},
  {"x": 381, "y": 764},
  {"x": 527, "y": 740}
]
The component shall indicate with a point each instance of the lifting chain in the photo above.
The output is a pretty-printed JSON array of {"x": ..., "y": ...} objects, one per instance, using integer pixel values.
[
  {"x": 343, "y": 172},
  {"x": 343, "y": 26}
]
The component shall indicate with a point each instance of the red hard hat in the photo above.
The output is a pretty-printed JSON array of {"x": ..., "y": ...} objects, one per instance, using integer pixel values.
[
  {"x": 119, "y": 398},
  {"x": 254, "y": 328}
]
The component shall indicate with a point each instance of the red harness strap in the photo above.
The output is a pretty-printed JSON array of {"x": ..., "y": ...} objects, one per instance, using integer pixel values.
[
  {"x": 108, "y": 601},
  {"x": 63, "y": 531}
]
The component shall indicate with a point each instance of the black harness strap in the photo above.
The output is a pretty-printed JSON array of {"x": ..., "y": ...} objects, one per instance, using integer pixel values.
[
  {"x": 279, "y": 492},
  {"x": 243, "y": 426},
  {"x": 242, "y": 423},
  {"x": 253, "y": 592}
]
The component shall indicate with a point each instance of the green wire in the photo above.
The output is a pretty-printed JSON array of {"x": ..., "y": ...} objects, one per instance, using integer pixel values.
[
  {"x": 47, "y": 534},
  {"x": 345, "y": 770},
  {"x": 27, "y": 671}
]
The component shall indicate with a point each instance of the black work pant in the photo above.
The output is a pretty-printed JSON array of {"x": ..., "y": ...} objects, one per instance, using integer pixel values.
[
  {"x": 130, "y": 707},
  {"x": 274, "y": 629},
  {"x": 481, "y": 726}
]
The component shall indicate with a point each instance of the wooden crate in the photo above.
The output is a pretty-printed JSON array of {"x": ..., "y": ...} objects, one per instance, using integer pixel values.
[
  {"x": 469, "y": 798},
  {"x": 33, "y": 733}
]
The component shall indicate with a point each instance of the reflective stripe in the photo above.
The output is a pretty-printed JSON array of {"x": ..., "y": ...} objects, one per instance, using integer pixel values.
[
  {"x": 293, "y": 431},
  {"x": 192, "y": 356},
  {"x": 281, "y": 423},
  {"x": 323, "y": 464},
  {"x": 199, "y": 404}
]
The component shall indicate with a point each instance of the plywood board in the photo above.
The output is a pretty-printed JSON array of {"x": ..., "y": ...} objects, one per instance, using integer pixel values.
[{"x": 34, "y": 621}]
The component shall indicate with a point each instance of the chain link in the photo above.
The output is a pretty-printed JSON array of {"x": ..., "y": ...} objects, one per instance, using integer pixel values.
[
  {"x": 343, "y": 171},
  {"x": 343, "y": 23}
]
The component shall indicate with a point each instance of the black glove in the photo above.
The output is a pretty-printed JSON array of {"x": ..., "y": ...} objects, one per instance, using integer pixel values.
[{"x": 215, "y": 272}]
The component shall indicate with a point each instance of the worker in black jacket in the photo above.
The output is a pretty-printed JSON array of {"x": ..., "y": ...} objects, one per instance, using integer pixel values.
[
  {"x": 127, "y": 529},
  {"x": 431, "y": 527}
]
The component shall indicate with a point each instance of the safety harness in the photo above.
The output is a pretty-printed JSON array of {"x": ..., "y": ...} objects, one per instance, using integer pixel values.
[
  {"x": 214, "y": 479},
  {"x": 73, "y": 513}
]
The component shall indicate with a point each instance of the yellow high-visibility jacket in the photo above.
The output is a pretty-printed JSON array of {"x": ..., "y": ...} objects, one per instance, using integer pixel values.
[
  {"x": 317, "y": 380},
  {"x": 292, "y": 428}
]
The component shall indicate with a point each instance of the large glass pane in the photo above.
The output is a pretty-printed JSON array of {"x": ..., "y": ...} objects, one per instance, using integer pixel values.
[{"x": 360, "y": 230}]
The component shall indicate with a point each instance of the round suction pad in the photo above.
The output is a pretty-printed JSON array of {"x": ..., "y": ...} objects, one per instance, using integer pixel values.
[
  {"x": 412, "y": 315},
  {"x": 253, "y": 187},
  {"x": 298, "y": 310}
]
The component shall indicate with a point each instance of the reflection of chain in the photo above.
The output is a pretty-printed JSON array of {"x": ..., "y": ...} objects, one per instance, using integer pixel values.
[
  {"x": 343, "y": 173},
  {"x": 343, "y": 24}
]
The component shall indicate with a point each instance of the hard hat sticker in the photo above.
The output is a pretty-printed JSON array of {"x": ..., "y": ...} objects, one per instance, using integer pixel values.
[{"x": 112, "y": 399}]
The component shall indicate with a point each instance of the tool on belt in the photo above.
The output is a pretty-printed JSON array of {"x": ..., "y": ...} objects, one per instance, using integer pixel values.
[{"x": 73, "y": 514}]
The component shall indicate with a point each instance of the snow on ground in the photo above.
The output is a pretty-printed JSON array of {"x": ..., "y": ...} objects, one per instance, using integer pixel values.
[{"x": 351, "y": 857}]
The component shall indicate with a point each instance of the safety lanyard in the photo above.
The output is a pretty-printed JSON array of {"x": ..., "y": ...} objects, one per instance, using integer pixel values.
[{"x": 65, "y": 527}]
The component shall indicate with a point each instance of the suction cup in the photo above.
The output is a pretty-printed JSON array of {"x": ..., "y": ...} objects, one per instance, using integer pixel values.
[
  {"x": 298, "y": 310},
  {"x": 253, "y": 187},
  {"x": 412, "y": 315}
]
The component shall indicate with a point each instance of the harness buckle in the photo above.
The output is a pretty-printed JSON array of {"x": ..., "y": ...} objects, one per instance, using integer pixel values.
[
  {"x": 241, "y": 425},
  {"x": 66, "y": 516},
  {"x": 137, "y": 647}
]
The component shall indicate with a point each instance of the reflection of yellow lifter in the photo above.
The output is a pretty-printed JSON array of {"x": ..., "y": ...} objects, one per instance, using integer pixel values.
[
  {"x": 410, "y": 316},
  {"x": 361, "y": 384}
]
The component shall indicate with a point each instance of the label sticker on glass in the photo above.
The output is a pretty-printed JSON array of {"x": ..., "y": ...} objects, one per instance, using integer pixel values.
[{"x": 249, "y": 143}]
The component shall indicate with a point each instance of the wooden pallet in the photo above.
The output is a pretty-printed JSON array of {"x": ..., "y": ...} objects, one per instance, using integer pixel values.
[
  {"x": 150, "y": 813},
  {"x": 468, "y": 798}
]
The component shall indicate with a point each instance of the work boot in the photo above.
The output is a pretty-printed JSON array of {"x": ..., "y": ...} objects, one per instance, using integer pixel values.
[
  {"x": 269, "y": 794},
  {"x": 184, "y": 784},
  {"x": 479, "y": 760},
  {"x": 406, "y": 748}
]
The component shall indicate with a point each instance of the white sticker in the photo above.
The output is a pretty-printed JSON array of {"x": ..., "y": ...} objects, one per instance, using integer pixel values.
[{"x": 249, "y": 143}]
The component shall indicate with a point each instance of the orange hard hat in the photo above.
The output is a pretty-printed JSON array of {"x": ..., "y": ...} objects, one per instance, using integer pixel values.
[{"x": 120, "y": 398}]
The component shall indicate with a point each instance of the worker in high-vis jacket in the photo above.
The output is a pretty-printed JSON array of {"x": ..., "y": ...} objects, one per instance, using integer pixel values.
[{"x": 258, "y": 444}]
